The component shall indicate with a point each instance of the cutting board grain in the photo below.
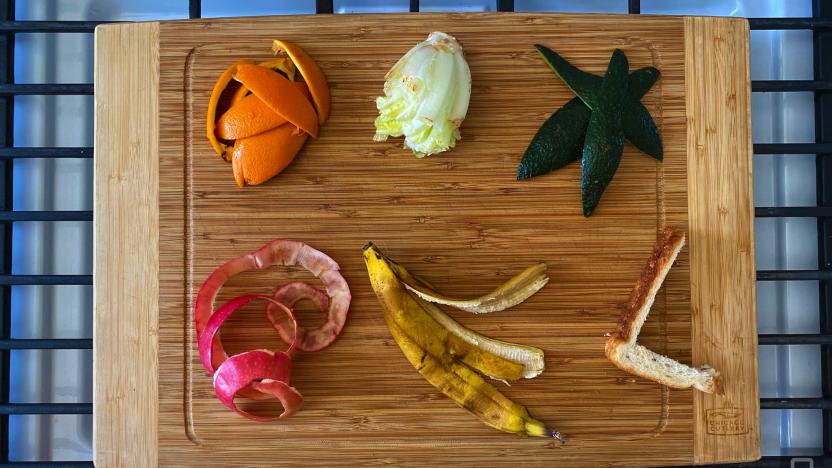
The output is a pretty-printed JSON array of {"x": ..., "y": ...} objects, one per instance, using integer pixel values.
[
  {"x": 168, "y": 212},
  {"x": 126, "y": 264}
]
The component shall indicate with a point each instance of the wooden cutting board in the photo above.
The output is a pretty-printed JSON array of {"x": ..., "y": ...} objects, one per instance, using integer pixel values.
[{"x": 168, "y": 212}]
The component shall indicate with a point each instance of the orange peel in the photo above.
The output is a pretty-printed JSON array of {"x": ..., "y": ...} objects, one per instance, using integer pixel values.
[
  {"x": 247, "y": 118},
  {"x": 311, "y": 73},
  {"x": 238, "y": 96},
  {"x": 256, "y": 159},
  {"x": 281, "y": 64},
  {"x": 270, "y": 115},
  {"x": 279, "y": 94},
  {"x": 211, "y": 114},
  {"x": 251, "y": 116}
]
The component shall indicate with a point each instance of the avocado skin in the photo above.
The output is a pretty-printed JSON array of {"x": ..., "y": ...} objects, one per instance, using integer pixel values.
[
  {"x": 639, "y": 127},
  {"x": 558, "y": 141},
  {"x": 604, "y": 140}
]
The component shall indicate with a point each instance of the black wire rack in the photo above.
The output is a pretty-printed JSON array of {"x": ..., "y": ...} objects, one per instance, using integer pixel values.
[{"x": 820, "y": 23}]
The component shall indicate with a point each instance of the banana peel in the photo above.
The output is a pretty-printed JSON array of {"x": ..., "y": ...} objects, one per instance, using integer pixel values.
[
  {"x": 530, "y": 357},
  {"x": 514, "y": 291},
  {"x": 444, "y": 359},
  {"x": 470, "y": 391},
  {"x": 404, "y": 310},
  {"x": 509, "y": 294}
]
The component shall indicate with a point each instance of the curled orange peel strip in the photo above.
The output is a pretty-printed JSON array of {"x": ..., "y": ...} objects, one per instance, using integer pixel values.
[
  {"x": 211, "y": 114},
  {"x": 238, "y": 96},
  {"x": 258, "y": 158},
  {"x": 311, "y": 73},
  {"x": 282, "y": 64},
  {"x": 280, "y": 95},
  {"x": 251, "y": 116}
]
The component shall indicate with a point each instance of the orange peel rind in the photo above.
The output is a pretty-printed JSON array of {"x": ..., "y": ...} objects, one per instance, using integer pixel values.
[
  {"x": 211, "y": 116},
  {"x": 281, "y": 64},
  {"x": 279, "y": 94},
  {"x": 311, "y": 73},
  {"x": 251, "y": 116},
  {"x": 270, "y": 116},
  {"x": 258, "y": 158}
]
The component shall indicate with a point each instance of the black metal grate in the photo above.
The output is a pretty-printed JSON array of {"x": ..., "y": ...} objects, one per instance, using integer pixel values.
[{"x": 820, "y": 23}]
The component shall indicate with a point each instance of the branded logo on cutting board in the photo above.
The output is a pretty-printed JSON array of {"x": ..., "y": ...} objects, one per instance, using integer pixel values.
[{"x": 726, "y": 421}]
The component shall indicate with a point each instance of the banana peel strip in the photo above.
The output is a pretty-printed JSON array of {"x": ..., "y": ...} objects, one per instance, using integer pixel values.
[
  {"x": 437, "y": 339},
  {"x": 514, "y": 291},
  {"x": 469, "y": 390},
  {"x": 529, "y": 357}
]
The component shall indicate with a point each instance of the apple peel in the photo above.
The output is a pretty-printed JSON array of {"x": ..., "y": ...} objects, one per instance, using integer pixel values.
[
  {"x": 307, "y": 339},
  {"x": 209, "y": 333},
  {"x": 278, "y": 252},
  {"x": 263, "y": 370},
  {"x": 253, "y": 375},
  {"x": 205, "y": 341}
]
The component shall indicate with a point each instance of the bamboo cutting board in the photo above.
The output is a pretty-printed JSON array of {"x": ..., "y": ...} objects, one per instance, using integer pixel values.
[{"x": 168, "y": 212}]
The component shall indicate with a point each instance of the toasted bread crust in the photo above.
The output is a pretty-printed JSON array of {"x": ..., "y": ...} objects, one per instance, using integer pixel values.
[{"x": 667, "y": 247}]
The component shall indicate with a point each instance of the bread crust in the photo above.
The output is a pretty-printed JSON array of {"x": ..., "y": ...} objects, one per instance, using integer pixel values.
[{"x": 667, "y": 247}]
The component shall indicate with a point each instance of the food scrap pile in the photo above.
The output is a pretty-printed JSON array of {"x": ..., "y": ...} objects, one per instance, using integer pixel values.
[
  {"x": 272, "y": 109},
  {"x": 274, "y": 106}
]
